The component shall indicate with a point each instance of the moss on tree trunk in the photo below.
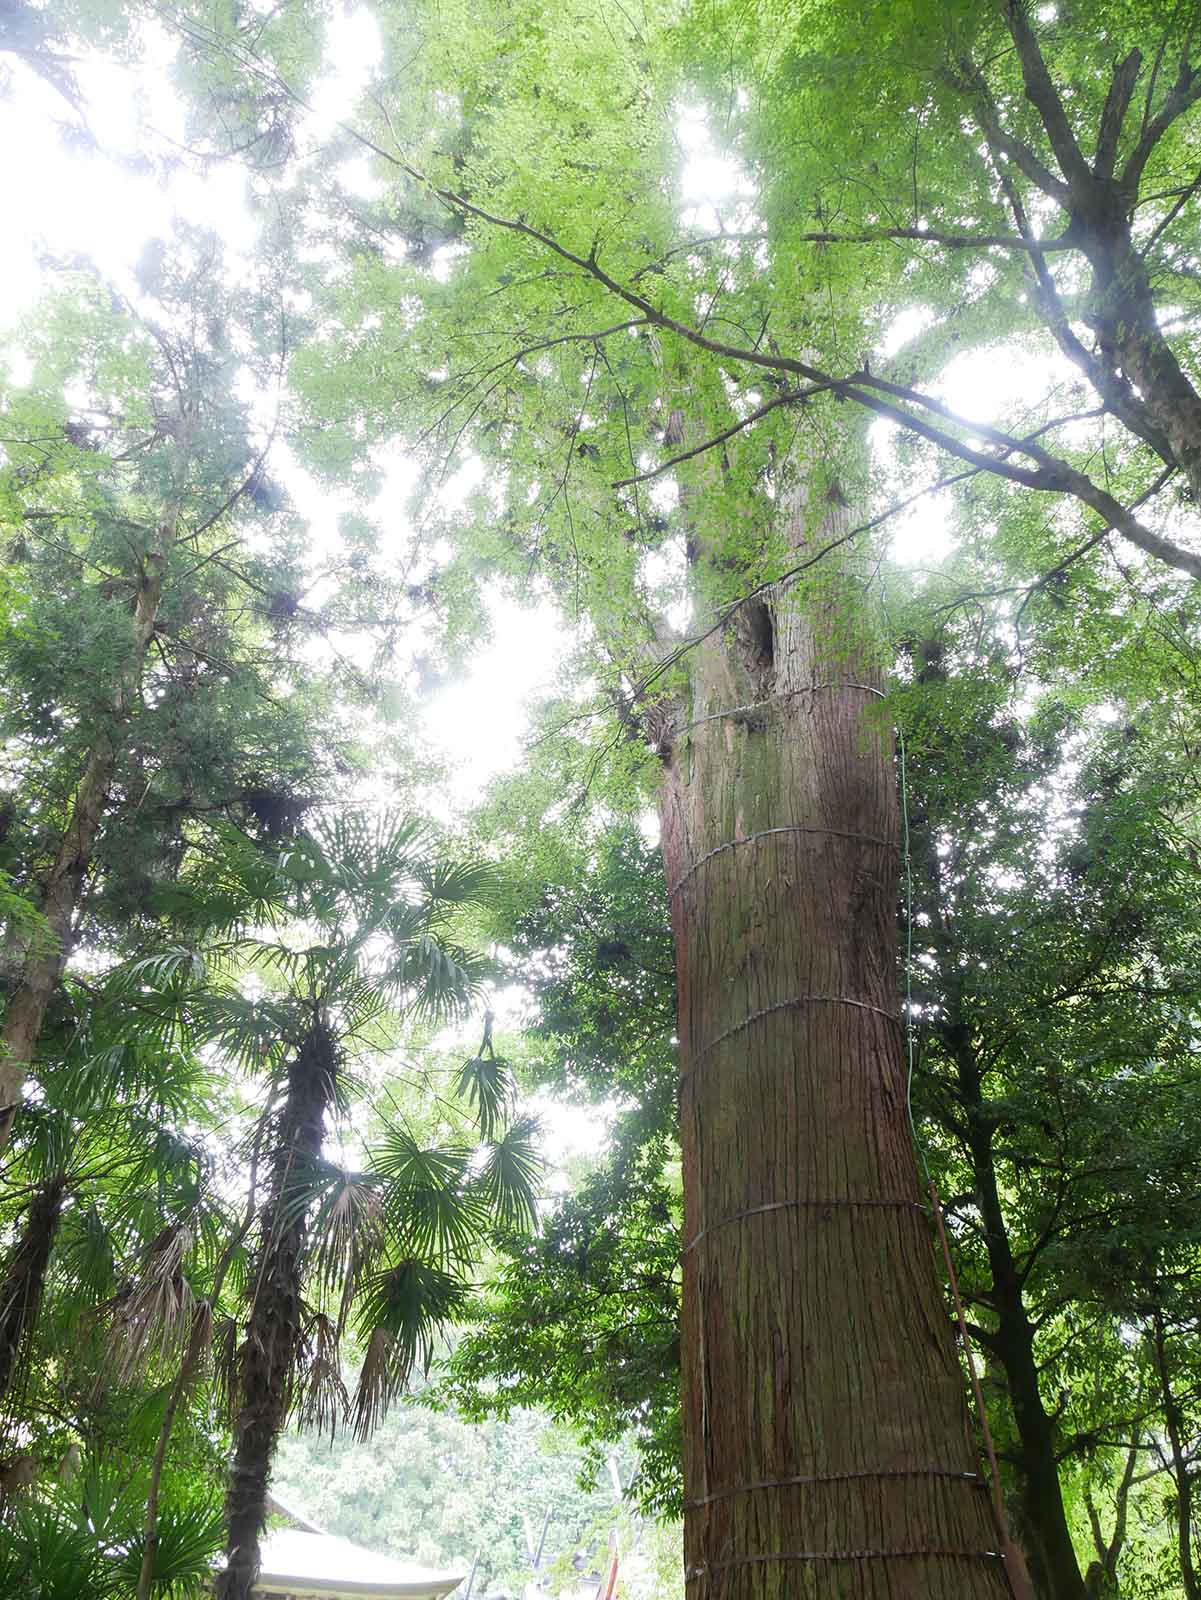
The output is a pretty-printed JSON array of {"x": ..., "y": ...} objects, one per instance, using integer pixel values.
[{"x": 827, "y": 1446}]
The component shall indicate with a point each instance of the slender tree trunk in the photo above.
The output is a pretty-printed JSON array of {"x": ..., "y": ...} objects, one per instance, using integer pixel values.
[
  {"x": 1179, "y": 1462},
  {"x": 62, "y": 884},
  {"x": 273, "y": 1330},
  {"x": 1047, "y": 1537},
  {"x": 827, "y": 1451},
  {"x": 25, "y": 1277},
  {"x": 1101, "y": 1582},
  {"x": 198, "y": 1340}
]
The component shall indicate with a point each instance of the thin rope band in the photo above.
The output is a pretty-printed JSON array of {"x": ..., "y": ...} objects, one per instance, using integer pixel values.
[
  {"x": 972, "y": 1478},
  {"x": 804, "y": 1205},
  {"x": 769, "y": 833},
  {"x": 944, "y": 1552},
  {"x": 786, "y": 1005},
  {"x": 788, "y": 694}
]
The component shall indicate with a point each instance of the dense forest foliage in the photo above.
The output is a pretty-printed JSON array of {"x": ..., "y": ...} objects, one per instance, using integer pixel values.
[{"x": 822, "y": 387}]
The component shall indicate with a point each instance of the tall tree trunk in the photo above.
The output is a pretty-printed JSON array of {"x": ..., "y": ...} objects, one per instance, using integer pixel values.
[
  {"x": 62, "y": 884},
  {"x": 273, "y": 1330},
  {"x": 827, "y": 1451},
  {"x": 25, "y": 1277},
  {"x": 1046, "y": 1535}
]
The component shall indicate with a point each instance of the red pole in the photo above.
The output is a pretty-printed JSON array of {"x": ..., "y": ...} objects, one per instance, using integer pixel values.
[{"x": 611, "y": 1586}]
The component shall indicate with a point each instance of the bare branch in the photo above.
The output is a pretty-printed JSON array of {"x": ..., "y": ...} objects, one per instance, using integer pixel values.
[
  {"x": 787, "y": 397},
  {"x": 1182, "y": 199},
  {"x": 1184, "y": 93}
]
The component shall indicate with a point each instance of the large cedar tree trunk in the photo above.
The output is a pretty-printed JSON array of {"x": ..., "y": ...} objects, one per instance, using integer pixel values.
[
  {"x": 269, "y": 1353},
  {"x": 827, "y": 1451}
]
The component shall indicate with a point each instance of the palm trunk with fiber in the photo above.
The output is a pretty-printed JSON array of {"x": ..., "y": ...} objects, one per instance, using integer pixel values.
[
  {"x": 268, "y": 1358},
  {"x": 25, "y": 1277}
]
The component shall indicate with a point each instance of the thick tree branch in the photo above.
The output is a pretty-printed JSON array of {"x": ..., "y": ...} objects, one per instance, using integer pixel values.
[
  {"x": 1049, "y": 473},
  {"x": 1003, "y": 143},
  {"x": 949, "y": 241},
  {"x": 1044, "y": 97},
  {"x": 1110, "y": 384},
  {"x": 1113, "y": 115}
]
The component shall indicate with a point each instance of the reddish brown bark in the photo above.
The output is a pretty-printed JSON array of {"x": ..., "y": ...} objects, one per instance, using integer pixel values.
[{"x": 827, "y": 1449}]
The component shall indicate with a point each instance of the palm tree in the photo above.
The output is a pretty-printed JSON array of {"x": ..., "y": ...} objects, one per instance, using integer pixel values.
[
  {"x": 363, "y": 918},
  {"x": 97, "y": 1166},
  {"x": 106, "y": 1202},
  {"x": 76, "y": 1540}
]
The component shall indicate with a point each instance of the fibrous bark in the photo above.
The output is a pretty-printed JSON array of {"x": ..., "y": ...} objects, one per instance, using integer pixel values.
[
  {"x": 827, "y": 1448},
  {"x": 25, "y": 1277},
  {"x": 269, "y": 1353}
]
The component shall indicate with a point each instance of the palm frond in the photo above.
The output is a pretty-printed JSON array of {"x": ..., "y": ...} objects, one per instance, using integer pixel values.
[
  {"x": 251, "y": 1033},
  {"x": 147, "y": 1060},
  {"x": 50, "y": 1555},
  {"x": 430, "y": 1207},
  {"x": 46, "y": 1140},
  {"x": 85, "y": 1253},
  {"x": 382, "y": 1377},
  {"x": 486, "y": 1083},
  {"x": 226, "y": 1347},
  {"x": 438, "y": 981},
  {"x": 321, "y": 1398},
  {"x": 153, "y": 1316},
  {"x": 168, "y": 971},
  {"x": 375, "y": 851},
  {"x": 458, "y": 883},
  {"x": 509, "y": 1177},
  {"x": 107, "y": 1497},
  {"x": 226, "y": 888},
  {"x": 189, "y": 1534},
  {"x": 401, "y": 1309},
  {"x": 347, "y": 1230}
]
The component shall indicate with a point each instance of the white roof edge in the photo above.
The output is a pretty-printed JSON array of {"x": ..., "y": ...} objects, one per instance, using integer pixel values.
[
  {"x": 334, "y": 1590},
  {"x": 321, "y": 1565}
]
